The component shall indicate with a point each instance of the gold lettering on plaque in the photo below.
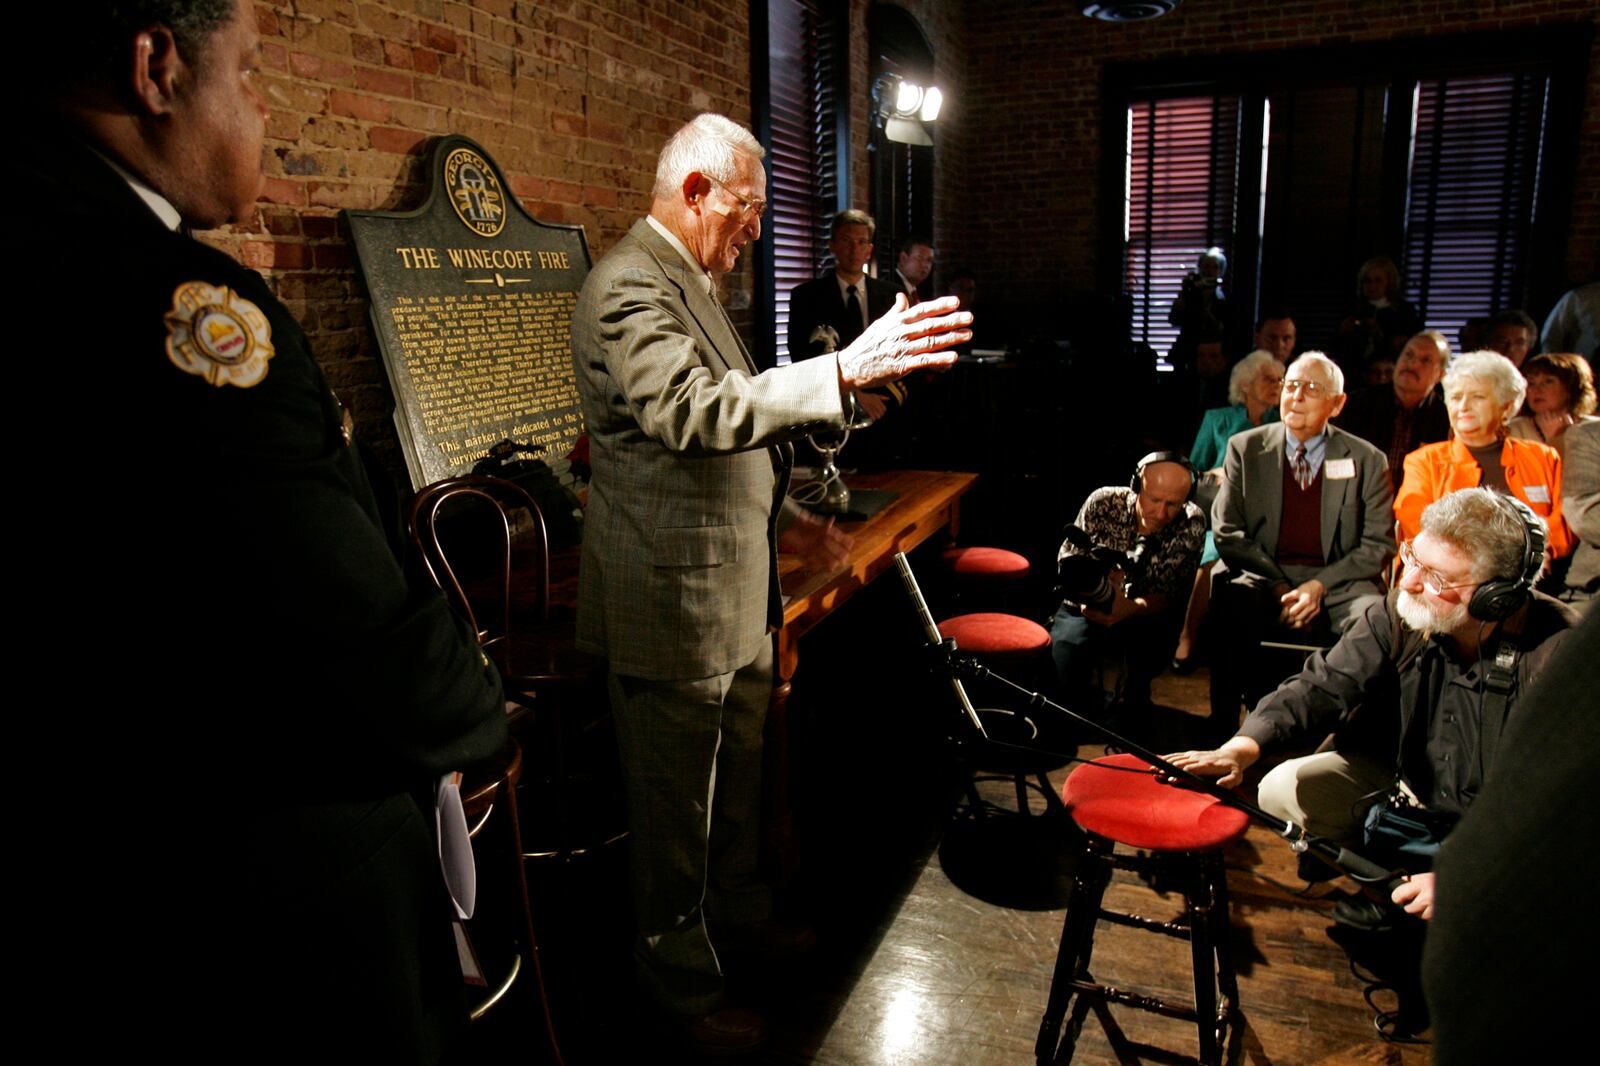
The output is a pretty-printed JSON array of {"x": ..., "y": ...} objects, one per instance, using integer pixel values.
[
  {"x": 496, "y": 359},
  {"x": 414, "y": 258}
]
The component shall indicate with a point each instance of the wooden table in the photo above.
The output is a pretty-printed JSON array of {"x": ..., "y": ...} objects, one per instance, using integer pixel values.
[{"x": 928, "y": 502}]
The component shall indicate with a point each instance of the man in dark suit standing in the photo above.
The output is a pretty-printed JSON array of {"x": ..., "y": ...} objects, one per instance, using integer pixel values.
[
  {"x": 1304, "y": 527},
  {"x": 827, "y": 313},
  {"x": 913, "y": 265},
  {"x": 679, "y": 581},
  {"x": 261, "y": 819}
]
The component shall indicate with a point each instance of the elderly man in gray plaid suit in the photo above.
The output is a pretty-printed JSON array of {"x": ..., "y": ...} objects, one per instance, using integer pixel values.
[{"x": 679, "y": 587}]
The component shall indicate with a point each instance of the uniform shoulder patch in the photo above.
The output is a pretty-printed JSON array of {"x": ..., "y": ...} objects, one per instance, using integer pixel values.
[{"x": 215, "y": 333}]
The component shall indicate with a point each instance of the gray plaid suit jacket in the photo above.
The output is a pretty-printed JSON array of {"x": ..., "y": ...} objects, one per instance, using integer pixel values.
[
  {"x": 1357, "y": 512},
  {"x": 688, "y": 445}
]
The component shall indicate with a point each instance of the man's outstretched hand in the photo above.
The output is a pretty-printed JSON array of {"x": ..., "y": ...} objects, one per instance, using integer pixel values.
[{"x": 905, "y": 339}]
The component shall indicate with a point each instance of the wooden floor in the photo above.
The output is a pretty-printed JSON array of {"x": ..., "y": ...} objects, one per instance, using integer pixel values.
[{"x": 937, "y": 938}]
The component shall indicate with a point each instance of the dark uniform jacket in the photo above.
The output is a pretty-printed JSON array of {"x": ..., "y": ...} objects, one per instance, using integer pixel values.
[{"x": 260, "y": 698}]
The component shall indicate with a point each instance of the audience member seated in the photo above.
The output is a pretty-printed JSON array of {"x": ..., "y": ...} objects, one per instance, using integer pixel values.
[
  {"x": 1382, "y": 320},
  {"x": 1560, "y": 394},
  {"x": 1482, "y": 390},
  {"x": 1412, "y": 690},
  {"x": 1511, "y": 333},
  {"x": 1254, "y": 387},
  {"x": 1201, "y": 306},
  {"x": 1410, "y": 412},
  {"x": 1210, "y": 370},
  {"x": 1580, "y": 494},
  {"x": 913, "y": 266},
  {"x": 1573, "y": 324},
  {"x": 1125, "y": 568},
  {"x": 1275, "y": 333},
  {"x": 1376, "y": 373},
  {"x": 1303, "y": 526}
]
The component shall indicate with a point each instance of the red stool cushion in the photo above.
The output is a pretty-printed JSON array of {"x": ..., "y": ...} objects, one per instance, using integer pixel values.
[
  {"x": 996, "y": 563},
  {"x": 1137, "y": 810},
  {"x": 987, "y": 633}
]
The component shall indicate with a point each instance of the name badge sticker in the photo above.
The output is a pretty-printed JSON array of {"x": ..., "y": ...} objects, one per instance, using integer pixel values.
[
  {"x": 1339, "y": 469},
  {"x": 1536, "y": 493}
]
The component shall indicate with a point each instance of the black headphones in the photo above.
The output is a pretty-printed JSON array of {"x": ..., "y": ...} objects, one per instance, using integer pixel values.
[
  {"x": 1137, "y": 484},
  {"x": 1495, "y": 599}
]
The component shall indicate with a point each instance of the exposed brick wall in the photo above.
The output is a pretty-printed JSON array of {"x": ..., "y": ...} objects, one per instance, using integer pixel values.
[
  {"x": 1034, "y": 93},
  {"x": 573, "y": 98}
]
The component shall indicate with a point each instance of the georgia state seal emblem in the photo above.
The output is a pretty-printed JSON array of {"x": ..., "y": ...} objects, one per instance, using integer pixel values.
[
  {"x": 475, "y": 192},
  {"x": 215, "y": 333}
]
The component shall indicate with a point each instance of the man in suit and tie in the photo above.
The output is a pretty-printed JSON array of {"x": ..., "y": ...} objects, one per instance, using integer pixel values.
[
  {"x": 827, "y": 313},
  {"x": 1304, "y": 526},
  {"x": 687, "y": 509},
  {"x": 913, "y": 265}
]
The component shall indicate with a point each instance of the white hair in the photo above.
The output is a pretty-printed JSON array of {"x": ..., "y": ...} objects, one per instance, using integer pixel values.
[
  {"x": 1335, "y": 375},
  {"x": 1494, "y": 369},
  {"x": 1246, "y": 371},
  {"x": 708, "y": 144}
]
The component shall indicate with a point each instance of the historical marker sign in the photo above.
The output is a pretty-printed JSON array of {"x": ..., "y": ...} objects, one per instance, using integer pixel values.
[{"x": 472, "y": 304}]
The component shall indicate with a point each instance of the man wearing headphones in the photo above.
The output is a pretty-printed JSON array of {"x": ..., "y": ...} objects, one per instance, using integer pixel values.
[
  {"x": 1418, "y": 688},
  {"x": 1126, "y": 568}
]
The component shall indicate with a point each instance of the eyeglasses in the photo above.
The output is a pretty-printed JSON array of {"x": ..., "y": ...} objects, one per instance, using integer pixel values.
[
  {"x": 1312, "y": 389},
  {"x": 748, "y": 209},
  {"x": 1430, "y": 578}
]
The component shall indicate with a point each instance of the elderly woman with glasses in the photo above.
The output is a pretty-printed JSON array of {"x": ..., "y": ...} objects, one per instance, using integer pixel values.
[{"x": 1482, "y": 391}]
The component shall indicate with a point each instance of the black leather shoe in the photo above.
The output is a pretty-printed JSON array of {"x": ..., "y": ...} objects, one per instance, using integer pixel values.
[
  {"x": 1366, "y": 914},
  {"x": 1185, "y": 665},
  {"x": 727, "y": 1032}
]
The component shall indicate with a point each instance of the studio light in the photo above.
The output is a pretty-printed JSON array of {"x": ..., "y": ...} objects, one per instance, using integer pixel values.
[{"x": 901, "y": 107}]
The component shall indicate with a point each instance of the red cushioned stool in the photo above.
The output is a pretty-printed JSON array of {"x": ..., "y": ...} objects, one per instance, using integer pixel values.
[
  {"x": 987, "y": 573},
  {"x": 997, "y": 638},
  {"x": 1006, "y": 642},
  {"x": 1183, "y": 833}
]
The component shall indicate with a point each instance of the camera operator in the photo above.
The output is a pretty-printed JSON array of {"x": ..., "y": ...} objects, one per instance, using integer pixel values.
[
  {"x": 1201, "y": 308},
  {"x": 1125, "y": 572}
]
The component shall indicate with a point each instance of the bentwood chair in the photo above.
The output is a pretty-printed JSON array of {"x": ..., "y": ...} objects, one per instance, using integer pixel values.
[
  {"x": 499, "y": 939},
  {"x": 483, "y": 542}
]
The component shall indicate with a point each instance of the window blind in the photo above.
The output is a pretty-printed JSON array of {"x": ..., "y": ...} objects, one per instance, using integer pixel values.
[
  {"x": 1182, "y": 180},
  {"x": 1476, "y": 150}
]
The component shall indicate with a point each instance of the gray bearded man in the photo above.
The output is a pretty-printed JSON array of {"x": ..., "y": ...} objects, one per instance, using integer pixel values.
[
  {"x": 679, "y": 584},
  {"x": 1417, "y": 690}
]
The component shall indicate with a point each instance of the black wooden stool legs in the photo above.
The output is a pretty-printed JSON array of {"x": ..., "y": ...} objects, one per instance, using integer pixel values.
[{"x": 1204, "y": 924}]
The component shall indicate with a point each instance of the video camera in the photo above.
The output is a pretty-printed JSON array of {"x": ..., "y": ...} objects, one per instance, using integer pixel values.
[{"x": 1088, "y": 579}]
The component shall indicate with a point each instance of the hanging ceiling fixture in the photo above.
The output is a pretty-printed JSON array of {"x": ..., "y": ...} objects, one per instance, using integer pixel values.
[{"x": 1127, "y": 10}]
